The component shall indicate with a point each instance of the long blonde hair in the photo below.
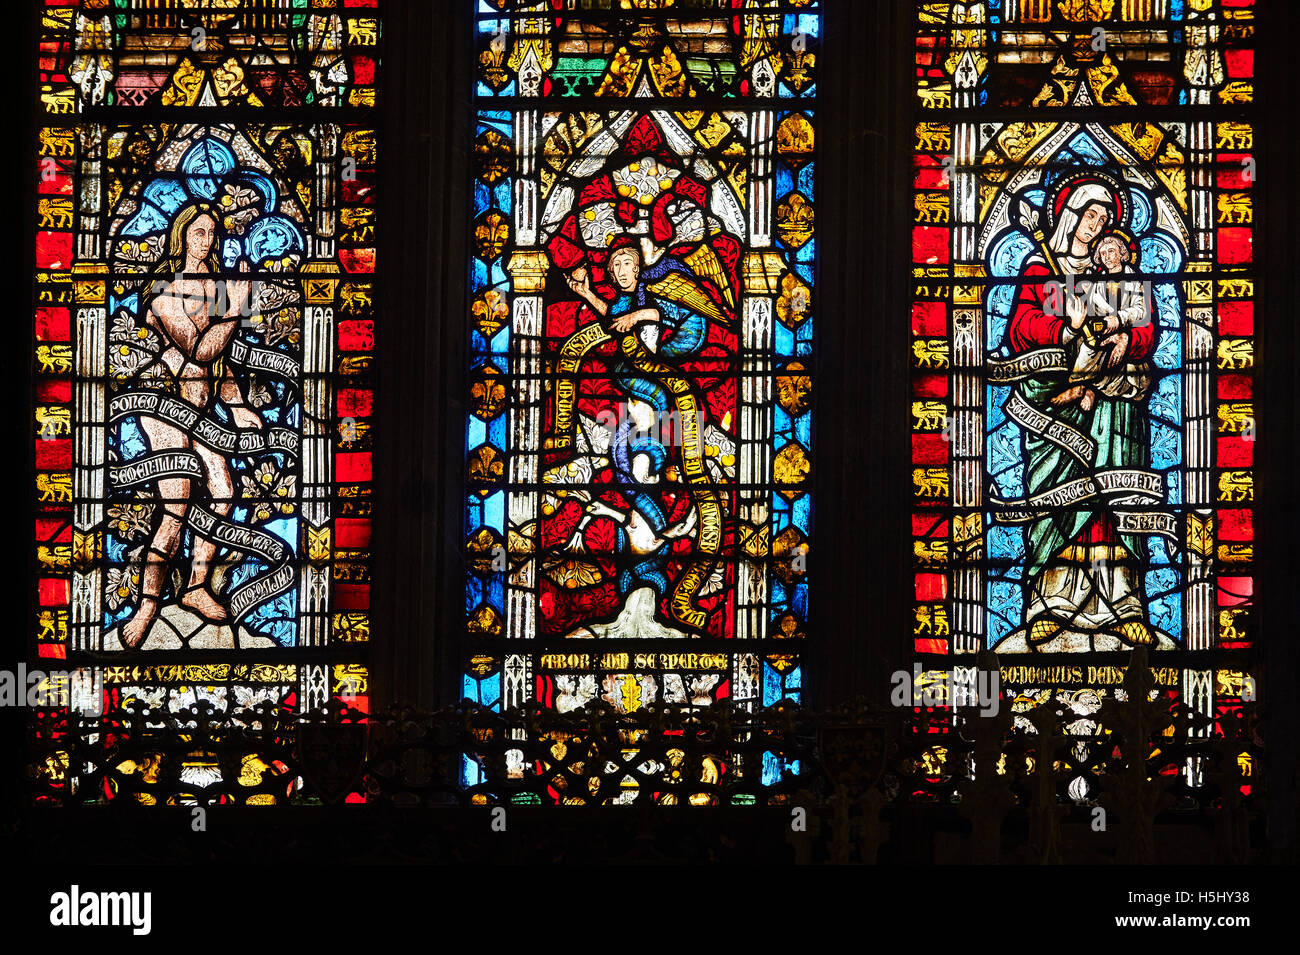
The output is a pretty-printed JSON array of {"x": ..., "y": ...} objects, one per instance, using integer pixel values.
[{"x": 174, "y": 260}]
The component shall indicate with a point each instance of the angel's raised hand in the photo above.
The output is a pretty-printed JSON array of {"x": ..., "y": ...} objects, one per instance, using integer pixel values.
[{"x": 578, "y": 280}]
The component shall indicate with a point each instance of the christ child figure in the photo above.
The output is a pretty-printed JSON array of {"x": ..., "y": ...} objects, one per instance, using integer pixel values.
[{"x": 1114, "y": 307}]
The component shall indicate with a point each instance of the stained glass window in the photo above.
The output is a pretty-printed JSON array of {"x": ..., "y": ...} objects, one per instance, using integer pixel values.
[
  {"x": 1082, "y": 350},
  {"x": 639, "y": 443},
  {"x": 205, "y": 270}
]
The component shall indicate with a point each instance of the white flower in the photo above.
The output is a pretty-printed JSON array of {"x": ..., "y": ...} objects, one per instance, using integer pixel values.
[
  {"x": 271, "y": 490},
  {"x": 598, "y": 225},
  {"x": 121, "y": 585},
  {"x": 644, "y": 180},
  {"x": 258, "y": 395},
  {"x": 138, "y": 254}
]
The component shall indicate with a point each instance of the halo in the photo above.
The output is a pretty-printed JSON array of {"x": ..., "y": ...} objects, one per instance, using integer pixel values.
[
  {"x": 1060, "y": 192},
  {"x": 1130, "y": 243},
  {"x": 1126, "y": 237}
]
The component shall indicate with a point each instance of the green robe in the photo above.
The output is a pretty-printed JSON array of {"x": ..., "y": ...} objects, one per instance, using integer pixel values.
[{"x": 1121, "y": 432}]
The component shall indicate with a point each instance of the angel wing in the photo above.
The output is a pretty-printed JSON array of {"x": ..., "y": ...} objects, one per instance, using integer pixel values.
[
  {"x": 680, "y": 288},
  {"x": 706, "y": 264}
]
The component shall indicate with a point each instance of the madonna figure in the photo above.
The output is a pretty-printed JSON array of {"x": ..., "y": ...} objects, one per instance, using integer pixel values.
[{"x": 1083, "y": 418}]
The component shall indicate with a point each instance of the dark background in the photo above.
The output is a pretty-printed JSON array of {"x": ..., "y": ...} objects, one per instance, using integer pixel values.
[{"x": 859, "y": 566}]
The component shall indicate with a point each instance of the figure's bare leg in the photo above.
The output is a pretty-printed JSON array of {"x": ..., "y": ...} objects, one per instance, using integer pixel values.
[
  {"x": 221, "y": 490},
  {"x": 244, "y": 417},
  {"x": 134, "y": 630},
  {"x": 174, "y": 494}
]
